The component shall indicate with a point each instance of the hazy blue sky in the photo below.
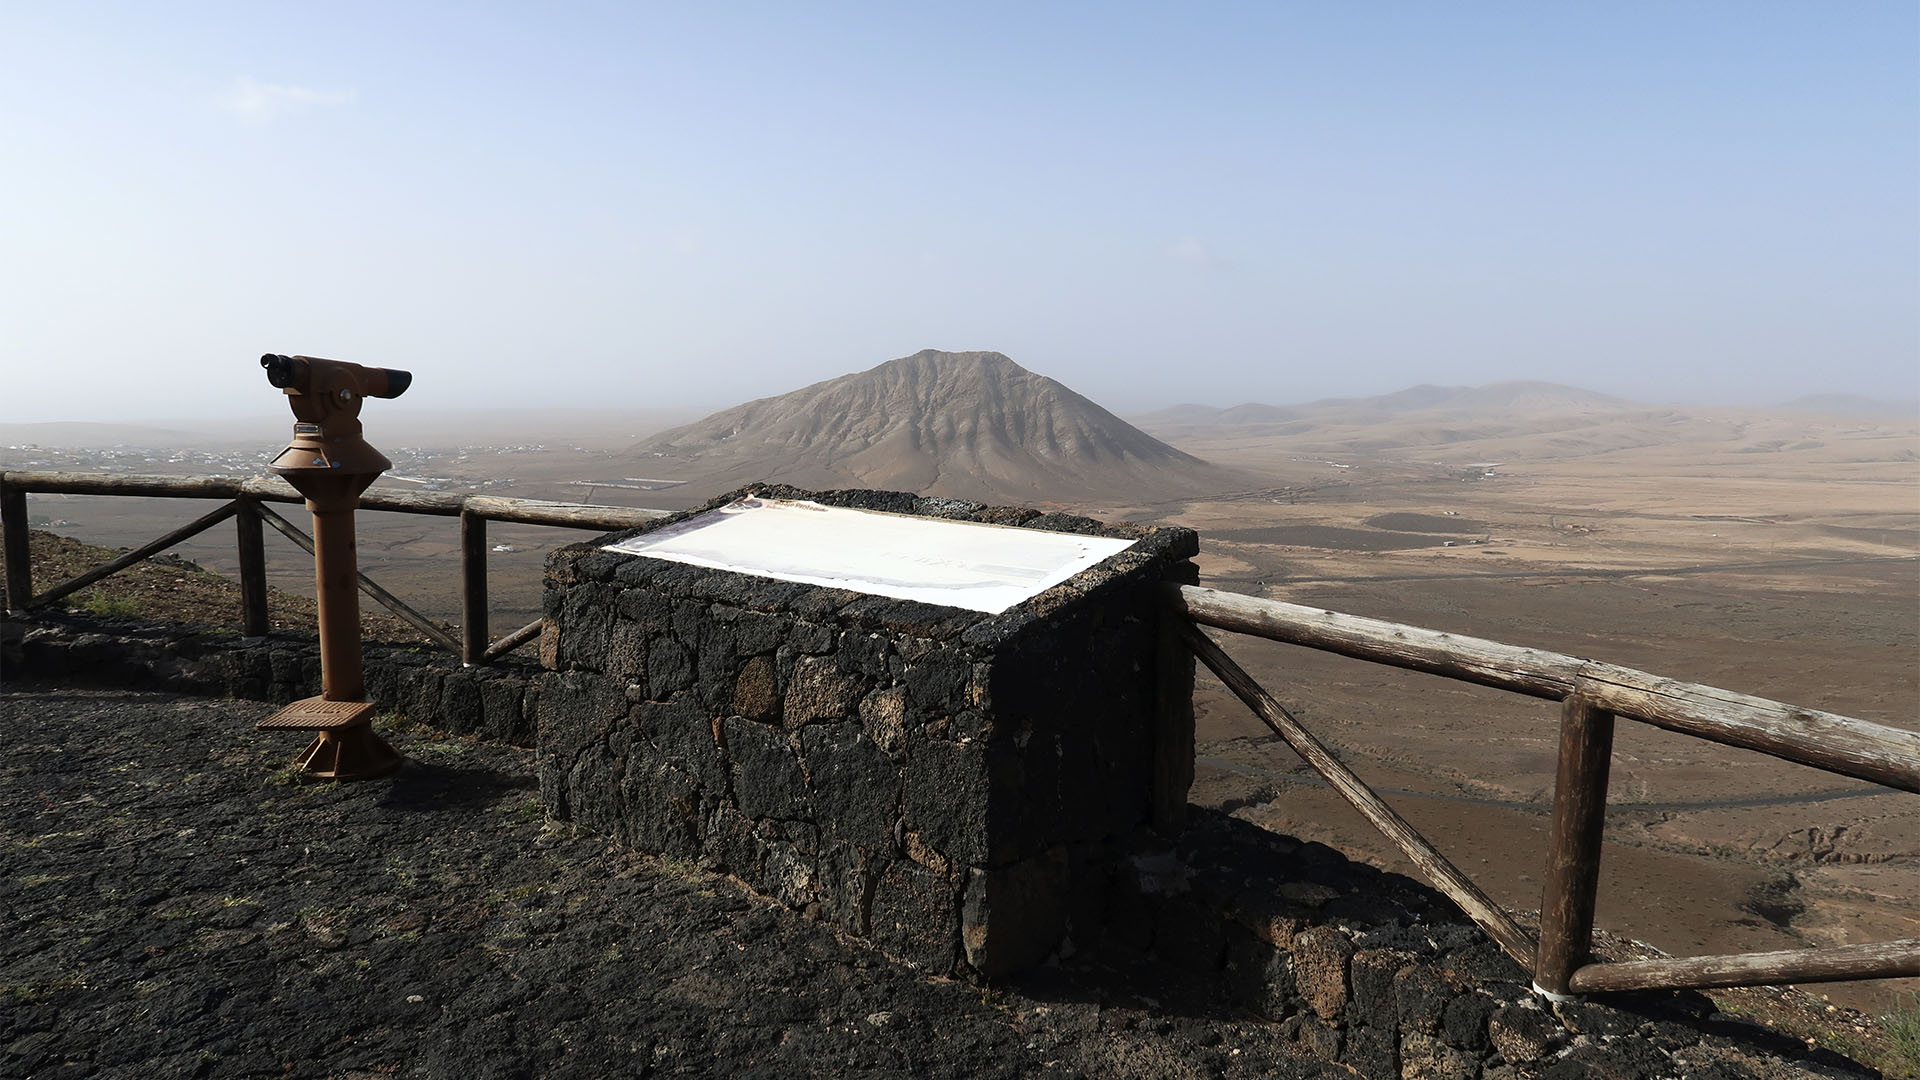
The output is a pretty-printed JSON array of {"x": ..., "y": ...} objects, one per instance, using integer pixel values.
[{"x": 623, "y": 204}]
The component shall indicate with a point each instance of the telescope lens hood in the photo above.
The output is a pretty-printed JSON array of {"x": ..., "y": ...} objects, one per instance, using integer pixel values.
[{"x": 397, "y": 382}]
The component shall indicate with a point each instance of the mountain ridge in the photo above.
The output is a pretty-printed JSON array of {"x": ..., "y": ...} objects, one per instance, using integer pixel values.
[{"x": 972, "y": 425}]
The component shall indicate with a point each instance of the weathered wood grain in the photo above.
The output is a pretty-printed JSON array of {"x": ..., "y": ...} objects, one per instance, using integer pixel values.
[
  {"x": 13, "y": 533},
  {"x": 513, "y": 641},
  {"x": 473, "y": 587},
  {"x": 1839, "y": 744},
  {"x": 1875, "y": 960},
  {"x": 252, "y": 550},
  {"x": 1573, "y": 856}
]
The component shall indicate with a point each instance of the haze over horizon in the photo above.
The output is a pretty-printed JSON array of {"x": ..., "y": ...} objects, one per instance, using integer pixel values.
[{"x": 601, "y": 206}]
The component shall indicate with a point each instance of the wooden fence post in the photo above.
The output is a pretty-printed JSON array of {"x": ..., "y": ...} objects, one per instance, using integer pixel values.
[
  {"x": 252, "y": 546},
  {"x": 13, "y": 523},
  {"x": 1573, "y": 860},
  {"x": 473, "y": 591}
]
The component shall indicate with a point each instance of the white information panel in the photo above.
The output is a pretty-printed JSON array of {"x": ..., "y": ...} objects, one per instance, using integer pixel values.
[{"x": 961, "y": 564}]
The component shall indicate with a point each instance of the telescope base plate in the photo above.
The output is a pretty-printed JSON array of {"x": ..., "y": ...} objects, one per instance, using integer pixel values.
[{"x": 319, "y": 714}]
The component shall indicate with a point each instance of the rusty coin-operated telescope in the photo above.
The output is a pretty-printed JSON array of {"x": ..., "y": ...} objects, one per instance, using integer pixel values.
[{"x": 330, "y": 464}]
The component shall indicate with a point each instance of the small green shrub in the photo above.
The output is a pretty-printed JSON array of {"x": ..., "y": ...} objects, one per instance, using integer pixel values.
[
  {"x": 98, "y": 604},
  {"x": 1902, "y": 1026}
]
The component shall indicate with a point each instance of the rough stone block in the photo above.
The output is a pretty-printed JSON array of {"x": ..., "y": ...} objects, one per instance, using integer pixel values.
[
  {"x": 586, "y": 619},
  {"x": 669, "y": 668},
  {"x": 913, "y": 916},
  {"x": 283, "y": 665},
  {"x": 460, "y": 709},
  {"x": 501, "y": 715},
  {"x": 756, "y": 691},
  {"x": 422, "y": 700},
  {"x": 754, "y": 633},
  {"x": 549, "y": 642},
  {"x": 1130, "y": 914},
  {"x": 729, "y": 844},
  {"x": 1371, "y": 975},
  {"x": 1316, "y": 1037},
  {"x": 945, "y": 803},
  {"x": 864, "y": 653},
  {"x": 1090, "y": 874},
  {"x": 1372, "y": 1051},
  {"x": 883, "y": 713},
  {"x": 715, "y": 663},
  {"x": 820, "y": 690},
  {"x": 681, "y": 734},
  {"x": 1259, "y": 976},
  {"x": 1423, "y": 1057},
  {"x": 938, "y": 682},
  {"x": 1420, "y": 998},
  {"x": 1522, "y": 1034},
  {"x": 768, "y": 781},
  {"x": 1320, "y": 957},
  {"x": 1464, "y": 1021},
  {"x": 855, "y": 786},
  {"x": 1012, "y": 917},
  {"x": 627, "y": 653},
  {"x": 670, "y": 821}
]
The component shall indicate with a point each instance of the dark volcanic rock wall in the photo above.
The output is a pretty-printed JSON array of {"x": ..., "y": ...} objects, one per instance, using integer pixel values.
[
  {"x": 940, "y": 781},
  {"x": 421, "y": 683}
]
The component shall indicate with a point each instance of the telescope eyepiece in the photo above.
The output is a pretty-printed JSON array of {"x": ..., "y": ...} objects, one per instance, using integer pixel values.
[{"x": 282, "y": 371}]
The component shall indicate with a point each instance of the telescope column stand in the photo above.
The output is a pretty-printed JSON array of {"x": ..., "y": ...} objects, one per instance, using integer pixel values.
[{"x": 345, "y": 746}]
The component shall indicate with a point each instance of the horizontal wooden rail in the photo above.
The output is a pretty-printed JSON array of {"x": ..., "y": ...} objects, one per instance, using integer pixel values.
[
  {"x": 272, "y": 489},
  {"x": 1839, "y": 744},
  {"x": 172, "y": 487},
  {"x": 1875, "y": 960},
  {"x": 560, "y": 514},
  {"x": 246, "y": 497}
]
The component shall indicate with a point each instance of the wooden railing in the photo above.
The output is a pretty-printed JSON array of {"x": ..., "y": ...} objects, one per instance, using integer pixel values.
[
  {"x": 245, "y": 503},
  {"x": 1593, "y": 694}
]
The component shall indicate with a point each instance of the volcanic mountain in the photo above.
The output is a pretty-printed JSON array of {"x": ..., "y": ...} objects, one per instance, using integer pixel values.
[{"x": 971, "y": 425}]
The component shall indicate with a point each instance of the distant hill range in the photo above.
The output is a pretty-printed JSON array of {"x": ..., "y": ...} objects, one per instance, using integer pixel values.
[
  {"x": 81, "y": 434},
  {"x": 1533, "y": 421},
  {"x": 971, "y": 425},
  {"x": 1417, "y": 419},
  {"x": 1854, "y": 405},
  {"x": 1539, "y": 398}
]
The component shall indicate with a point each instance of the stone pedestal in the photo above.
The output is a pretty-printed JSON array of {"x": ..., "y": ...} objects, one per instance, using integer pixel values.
[{"x": 946, "y": 783}]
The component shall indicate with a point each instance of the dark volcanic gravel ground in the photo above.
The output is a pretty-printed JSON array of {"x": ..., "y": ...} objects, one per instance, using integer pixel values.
[{"x": 177, "y": 902}]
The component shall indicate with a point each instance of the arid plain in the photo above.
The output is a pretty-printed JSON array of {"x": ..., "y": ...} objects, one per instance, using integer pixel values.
[
  {"x": 1768, "y": 553},
  {"x": 1774, "y": 553}
]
